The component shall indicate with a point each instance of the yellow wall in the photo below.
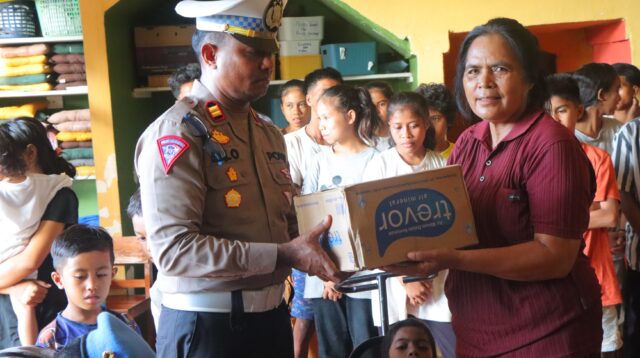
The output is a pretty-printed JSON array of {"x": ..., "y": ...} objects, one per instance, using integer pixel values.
[{"x": 427, "y": 23}]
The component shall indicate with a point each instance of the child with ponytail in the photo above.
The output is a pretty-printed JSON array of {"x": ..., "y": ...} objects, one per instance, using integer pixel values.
[
  {"x": 31, "y": 176},
  {"x": 348, "y": 123}
]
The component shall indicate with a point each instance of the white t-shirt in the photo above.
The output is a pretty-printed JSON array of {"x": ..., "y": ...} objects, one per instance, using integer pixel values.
[
  {"x": 22, "y": 206},
  {"x": 383, "y": 143},
  {"x": 300, "y": 148},
  {"x": 389, "y": 164},
  {"x": 604, "y": 140},
  {"x": 327, "y": 170}
]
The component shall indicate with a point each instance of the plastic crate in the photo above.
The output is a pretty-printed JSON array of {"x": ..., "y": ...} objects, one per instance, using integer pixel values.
[
  {"x": 350, "y": 59},
  {"x": 17, "y": 19},
  {"x": 59, "y": 17}
]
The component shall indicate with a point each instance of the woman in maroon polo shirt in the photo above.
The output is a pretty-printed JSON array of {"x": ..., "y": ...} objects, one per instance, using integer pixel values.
[{"x": 526, "y": 289}]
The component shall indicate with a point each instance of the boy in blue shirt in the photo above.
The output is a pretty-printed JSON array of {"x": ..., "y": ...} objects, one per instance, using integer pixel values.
[{"x": 83, "y": 261}]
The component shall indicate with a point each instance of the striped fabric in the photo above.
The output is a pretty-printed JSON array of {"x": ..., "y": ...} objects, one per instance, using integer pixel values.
[{"x": 626, "y": 160}]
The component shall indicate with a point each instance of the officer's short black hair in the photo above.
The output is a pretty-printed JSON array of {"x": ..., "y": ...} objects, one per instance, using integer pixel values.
[
  {"x": 135, "y": 204},
  {"x": 562, "y": 85},
  {"x": 630, "y": 72},
  {"x": 201, "y": 37},
  {"x": 320, "y": 74},
  {"x": 182, "y": 75},
  {"x": 79, "y": 239}
]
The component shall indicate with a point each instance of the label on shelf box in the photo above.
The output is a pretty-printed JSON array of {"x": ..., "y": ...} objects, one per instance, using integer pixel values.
[{"x": 301, "y": 28}]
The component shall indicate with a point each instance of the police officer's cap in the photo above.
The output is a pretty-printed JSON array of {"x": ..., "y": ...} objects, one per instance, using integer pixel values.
[{"x": 252, "y": 22}]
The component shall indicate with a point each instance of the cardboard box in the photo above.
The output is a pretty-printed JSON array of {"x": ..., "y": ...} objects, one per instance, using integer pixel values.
[
  {"x": 377, "y": 223},
  {"x": 299, "y": 48},
  {"x": 301, "y": 28},
  {"x": 163, "y": 49},
  {"x": 296, "y": 67}
]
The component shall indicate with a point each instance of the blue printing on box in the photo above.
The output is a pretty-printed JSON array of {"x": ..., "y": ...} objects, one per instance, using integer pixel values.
[{"x": 351, "y": 59}]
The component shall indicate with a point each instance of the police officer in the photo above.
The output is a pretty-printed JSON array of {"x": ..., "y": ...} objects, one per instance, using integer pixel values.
[{"x": 217, "y": 196}]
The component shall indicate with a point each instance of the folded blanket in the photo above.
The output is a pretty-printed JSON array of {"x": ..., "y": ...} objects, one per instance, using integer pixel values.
[
  {"x": 85, "y": 171},
  {"x": 65, "y": 48},
  {"x": 73, "y": 126},
  {"x": 63, "y": 86},
  {"x": 19, "y": 61},
  {"x": 25, "y": 80},
  {"x": 69, "y": 68},
  {"x": 25, "y": 110},
  {"x": 26, "y": 50},
  {"x": 71, "y": 77},
  {"x": 24, "y": 70},
  {"x": 75, "y": 144},
  {"x": 82, "y": 162},
  {"x": 44, "y": 86},
  {"x": 77, "y": 136},
  {"x": 68, "y": 58},
  {"x": 70, "y": 115},
  {"x": 77, "y": 153}
]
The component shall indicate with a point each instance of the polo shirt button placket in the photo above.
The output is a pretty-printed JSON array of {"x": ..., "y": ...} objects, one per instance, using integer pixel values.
[
  {"x": 488, "y": 162},
  {"x": 482, "y": 178}
]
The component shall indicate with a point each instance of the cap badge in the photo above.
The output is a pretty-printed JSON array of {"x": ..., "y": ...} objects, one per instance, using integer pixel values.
[{"x": 273, "y": 15}]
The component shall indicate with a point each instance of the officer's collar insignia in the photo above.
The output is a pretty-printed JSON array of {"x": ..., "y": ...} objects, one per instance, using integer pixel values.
[
  {"x": 273, "y": 15},
  {"x": 232, "y": 174},
  {"x": 214, "y": 111},
  {"x": 232, "y": 199},
  {"x": 171, "y": 148},
  {"x": 220, "y": 137}
]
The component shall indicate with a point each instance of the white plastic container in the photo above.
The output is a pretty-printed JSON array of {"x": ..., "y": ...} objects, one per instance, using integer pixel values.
[
  {"x": 299, "y": 48},
  {"x": 301, "y": 28}
]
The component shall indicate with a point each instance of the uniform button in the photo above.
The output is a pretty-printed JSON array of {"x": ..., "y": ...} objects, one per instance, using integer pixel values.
[
  {"x": 482, "y": 178},
  {"x": 488, "y": 162}
]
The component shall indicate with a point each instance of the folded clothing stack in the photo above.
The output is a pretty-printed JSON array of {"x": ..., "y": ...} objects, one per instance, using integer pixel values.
[
  {"x": 24, "y": 110},
  {"x": 68, "y": 63},
  {"x": 24, "y": 68},
  {"x": 74, "y": 138}
]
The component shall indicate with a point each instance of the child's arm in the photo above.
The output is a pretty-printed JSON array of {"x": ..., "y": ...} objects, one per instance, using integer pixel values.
[
  {"x": 606, "y": 215},
  {"x": 18, "y": 267}
]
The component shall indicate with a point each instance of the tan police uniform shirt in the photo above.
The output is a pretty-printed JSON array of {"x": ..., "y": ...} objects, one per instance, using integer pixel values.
[{"x": 214, "y": 226}]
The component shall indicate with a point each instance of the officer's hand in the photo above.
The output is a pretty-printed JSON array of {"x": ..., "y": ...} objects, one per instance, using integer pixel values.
[{"x": 305, "y": 254}]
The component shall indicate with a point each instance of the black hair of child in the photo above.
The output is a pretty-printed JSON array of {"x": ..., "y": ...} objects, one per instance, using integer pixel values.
[
  {"x": 416, "y": 104},
  {"x": 321, "y": 74},
  {"x": 182, "y": 75},
  {"x": 15, "y": 135},
  {"x": 78, "y": 239},
  {"x": 439, "y": 98},
  {"x": 592, "y": 78},
  {"x": 135, "y": 204},
  {"x": 381, "y": 86},
  {"x": 409, "y": 322},
  {"x": 630, "y": 72}
]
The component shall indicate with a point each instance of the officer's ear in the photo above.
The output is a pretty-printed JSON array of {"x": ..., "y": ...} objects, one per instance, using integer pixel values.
[{"x": 208, "y": 53}]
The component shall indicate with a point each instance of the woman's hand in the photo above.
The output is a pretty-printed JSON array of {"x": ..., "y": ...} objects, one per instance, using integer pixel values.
[
  {"x": 418, "y": 292},
  {"x": 330, "y": 293},
  {"x": 30, "y": 292}
]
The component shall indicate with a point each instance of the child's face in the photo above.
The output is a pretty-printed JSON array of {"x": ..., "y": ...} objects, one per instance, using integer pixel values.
[
  {"x": 381, "y": 102},
  {"x": 86, "y": 279},
  {"x": 334, "y": 125},
  {"x": 317, "y": 90},
  {"x": 439, "y": 123},
  {"x": 565, "y": 111},
  {"x": 627, "y": 93},
  {"x": 408, "y": 131},
  {"x": 610, "y": 98},
  {"x": 294, "y": 107},
  {"x": 410, "y": 342}
]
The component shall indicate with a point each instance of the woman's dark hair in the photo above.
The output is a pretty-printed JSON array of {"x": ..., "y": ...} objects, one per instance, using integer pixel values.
[
  {"x": 524, "y": 46},
  {"x": 15, "y": 135},
  {"x": 383, "y": 87},
  {"x": 630, "y": 72},
  {"x": 416, "y": 104},
  {"x": 78, "y": 239},
  {"x": 593, "y": 77},
  {"x": 564, "y": 86},
  {"x": 358, "y": 99},
  {"x": 409, "y": 322},
  {"x": 288, "y": 86},
  {"x": 182, "y": 75},
  {"x": 439, "y": 98}
]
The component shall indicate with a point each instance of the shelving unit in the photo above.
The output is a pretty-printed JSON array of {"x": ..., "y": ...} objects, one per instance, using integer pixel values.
[
  {"x": 145, "y": 92},
  {"x": 81, "y": 90},
  {"x": 33, "y": 40}
]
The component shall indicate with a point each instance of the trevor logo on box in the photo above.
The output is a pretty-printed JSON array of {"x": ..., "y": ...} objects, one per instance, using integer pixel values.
[{"x": 417, "y": 212}]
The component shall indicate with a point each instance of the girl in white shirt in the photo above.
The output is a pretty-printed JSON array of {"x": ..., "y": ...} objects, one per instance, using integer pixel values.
[
  {"x": 414, "y": 139},
  {"x": 348, "y": 122}
]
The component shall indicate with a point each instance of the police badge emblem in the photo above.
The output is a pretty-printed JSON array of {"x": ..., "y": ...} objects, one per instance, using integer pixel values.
[{"x": 273, "y": 15}]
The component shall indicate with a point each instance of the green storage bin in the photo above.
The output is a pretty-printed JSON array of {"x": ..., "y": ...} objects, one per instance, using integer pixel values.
[
  {"x": 59, "y": 17},
  {"x": 350, "y": 59}
]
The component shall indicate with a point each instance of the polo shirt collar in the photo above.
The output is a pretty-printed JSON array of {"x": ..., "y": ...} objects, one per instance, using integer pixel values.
[{"x": 482, "y": 133}]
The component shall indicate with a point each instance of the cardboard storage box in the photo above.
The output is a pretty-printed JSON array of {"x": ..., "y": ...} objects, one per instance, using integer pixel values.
[
  {"x": 351, "y": 59},
  {"x": 301, "y": 28},
  {"x": 377, "y": 223},
  {"x": 162, "y": 49},
  {"x": 299, "y": 48},
  {"x": 296, "y": 67}
]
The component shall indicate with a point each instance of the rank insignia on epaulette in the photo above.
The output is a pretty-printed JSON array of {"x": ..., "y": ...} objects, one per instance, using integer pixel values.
[
  {"x": 232, "y": 199},
  {"x": 214, "y": 111},
  {"x": 220, "y": 137},
  {"x": 232, "y": 174},
  {"x": 171, "y": 148}
]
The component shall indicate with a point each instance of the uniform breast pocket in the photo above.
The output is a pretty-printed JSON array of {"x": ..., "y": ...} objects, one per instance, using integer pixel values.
[
  {"x": 512, "y": 214},
  {"x": 225, "y": 176},
  {"x": 280, "y": 173}
]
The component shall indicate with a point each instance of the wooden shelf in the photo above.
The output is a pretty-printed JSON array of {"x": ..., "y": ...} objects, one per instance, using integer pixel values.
[
  {"x": 145, "y": 92},
  {"x": 32, "y": 40},
  {"x": 80, "y": 90},
  {"x": 86, "y": 177}
]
